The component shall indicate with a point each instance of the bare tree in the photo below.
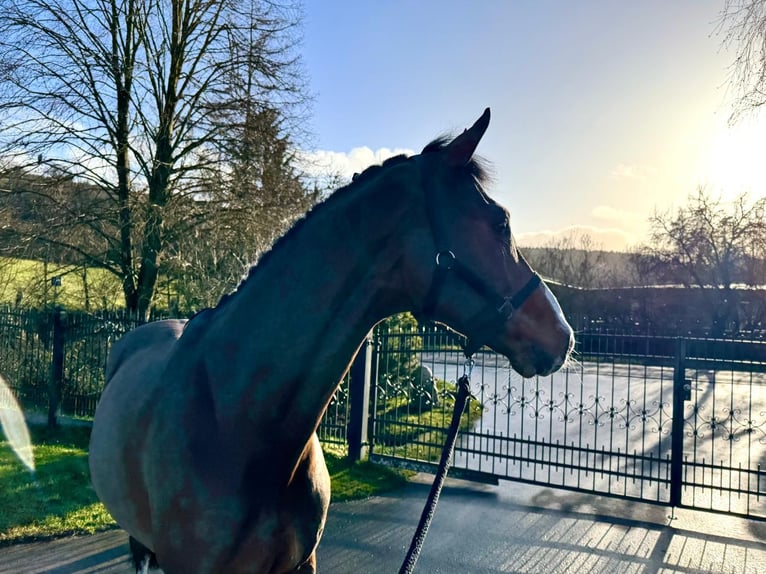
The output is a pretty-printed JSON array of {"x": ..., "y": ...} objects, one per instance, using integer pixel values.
[
  {"x": 126, "y": 97},
  {"x": 710, "y": 245},
  {"x": 708, "y": 242},
  {"x": 574, "y": 259},
  {"x": 743, "y": 25}
]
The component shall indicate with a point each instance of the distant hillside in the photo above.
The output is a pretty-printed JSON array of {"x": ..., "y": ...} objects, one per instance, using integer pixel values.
[{"x": 42, "y": 202}]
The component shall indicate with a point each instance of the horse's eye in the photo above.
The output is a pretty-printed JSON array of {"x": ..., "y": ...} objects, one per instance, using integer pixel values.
[{"x": 503, "y": 227}]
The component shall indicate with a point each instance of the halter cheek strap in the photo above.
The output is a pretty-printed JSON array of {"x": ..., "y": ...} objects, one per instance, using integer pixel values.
[{"x": 500, "y": 308}]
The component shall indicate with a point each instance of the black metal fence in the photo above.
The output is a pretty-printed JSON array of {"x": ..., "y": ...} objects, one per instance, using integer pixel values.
[
  {"x": 334, "y": 426},
  {"x": 54, "y": 360},
  {"x": 672, "y": 421}
]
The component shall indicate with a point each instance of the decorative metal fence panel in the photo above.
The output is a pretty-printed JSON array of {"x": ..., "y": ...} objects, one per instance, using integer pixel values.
[
  {"x": 724, "y": 427},
  {"x": 26, "y": 347},
  {"x": 604, "y": 425},
  {"x": 87, "y": 339},
  {"x": 30, "y": 341},
  {"x": 671, "y": 421},
  {"x": 334, "y": 424},
  {"x": 27, "y": 341}
]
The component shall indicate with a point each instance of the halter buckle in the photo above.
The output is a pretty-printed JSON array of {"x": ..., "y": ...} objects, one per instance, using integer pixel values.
[{"x": 506, "y": 309}]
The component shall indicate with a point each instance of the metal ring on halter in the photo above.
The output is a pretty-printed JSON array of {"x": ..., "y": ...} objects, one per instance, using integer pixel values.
[{"x": 449, "y": 254}]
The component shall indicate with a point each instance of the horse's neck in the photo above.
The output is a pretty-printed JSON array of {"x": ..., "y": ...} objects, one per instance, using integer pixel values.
[{"x": 285, "y": 339}]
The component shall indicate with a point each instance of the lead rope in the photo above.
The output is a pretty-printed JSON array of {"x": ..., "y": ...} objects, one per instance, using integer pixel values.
[{"x": 461, "y": 399}]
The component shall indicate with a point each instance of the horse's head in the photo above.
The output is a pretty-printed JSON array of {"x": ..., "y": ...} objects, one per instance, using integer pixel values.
[{"x": 472, "y": 276}]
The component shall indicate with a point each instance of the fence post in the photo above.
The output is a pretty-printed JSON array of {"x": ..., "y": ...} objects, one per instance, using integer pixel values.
[
  {"x": 677, "y": 427},
  {"x": 359, "y": 396},
  {"x": 56, "y": 381}
]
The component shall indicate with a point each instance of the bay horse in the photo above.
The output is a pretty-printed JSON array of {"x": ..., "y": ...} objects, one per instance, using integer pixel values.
[{"x": 203, "y": 445}]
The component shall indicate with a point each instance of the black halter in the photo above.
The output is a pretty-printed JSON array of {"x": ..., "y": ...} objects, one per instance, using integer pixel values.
[{"x": 500, "y": 308}]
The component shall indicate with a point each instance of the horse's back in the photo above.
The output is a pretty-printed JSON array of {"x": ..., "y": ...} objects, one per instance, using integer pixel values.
[{"x": 154, "y": 338}]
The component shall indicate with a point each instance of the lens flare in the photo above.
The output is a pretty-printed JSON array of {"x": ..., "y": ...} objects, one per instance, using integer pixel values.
[{"x": 15, "y": 427}]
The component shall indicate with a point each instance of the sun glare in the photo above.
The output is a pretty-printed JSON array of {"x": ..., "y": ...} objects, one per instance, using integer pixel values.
[
  {"x": 15, "y": 427},
  {"x": 734, "y": 163}
]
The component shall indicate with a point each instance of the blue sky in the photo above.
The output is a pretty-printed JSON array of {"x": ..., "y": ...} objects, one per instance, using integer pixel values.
[{"x": 602, "y": 111}]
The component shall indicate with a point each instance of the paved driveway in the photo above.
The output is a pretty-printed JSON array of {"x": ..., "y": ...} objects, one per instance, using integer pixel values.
[{"x": 480, "y": 530}]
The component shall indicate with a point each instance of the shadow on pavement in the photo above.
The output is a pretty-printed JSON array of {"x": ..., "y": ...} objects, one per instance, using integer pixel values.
[{"x": 479, "y": 529}]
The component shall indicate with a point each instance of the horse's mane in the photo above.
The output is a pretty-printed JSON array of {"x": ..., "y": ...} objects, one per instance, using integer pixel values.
[{"x": 476, "y": 168}]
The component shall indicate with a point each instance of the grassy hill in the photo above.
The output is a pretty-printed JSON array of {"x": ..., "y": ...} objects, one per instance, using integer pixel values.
[{"x": 29, "y": 283}]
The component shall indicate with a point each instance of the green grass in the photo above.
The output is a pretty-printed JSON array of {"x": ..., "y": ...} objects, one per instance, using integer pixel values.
[
  {"x": 352, "y": 481},
  {"x": 59, "y": 501}
]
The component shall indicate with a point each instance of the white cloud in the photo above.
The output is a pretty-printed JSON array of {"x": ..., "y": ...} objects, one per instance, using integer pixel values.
[
  {"x": 346, "y": 164},
  {"x": 624, "y": 172},
  {"x": 607, "y": 238}
]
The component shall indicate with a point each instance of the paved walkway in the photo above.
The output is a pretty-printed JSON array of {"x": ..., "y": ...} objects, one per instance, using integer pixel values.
[{"x": 479, "y": 529}]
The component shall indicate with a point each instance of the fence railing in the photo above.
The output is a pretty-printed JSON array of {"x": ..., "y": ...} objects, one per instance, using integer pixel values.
[
  {"x": 677, "y": 421},
  {"x": 667, "y": 420},
  {"x": 54, "y": 360}
]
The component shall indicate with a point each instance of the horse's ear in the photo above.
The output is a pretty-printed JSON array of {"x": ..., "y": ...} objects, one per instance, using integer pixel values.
[{"x": 460, "y": 150}]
